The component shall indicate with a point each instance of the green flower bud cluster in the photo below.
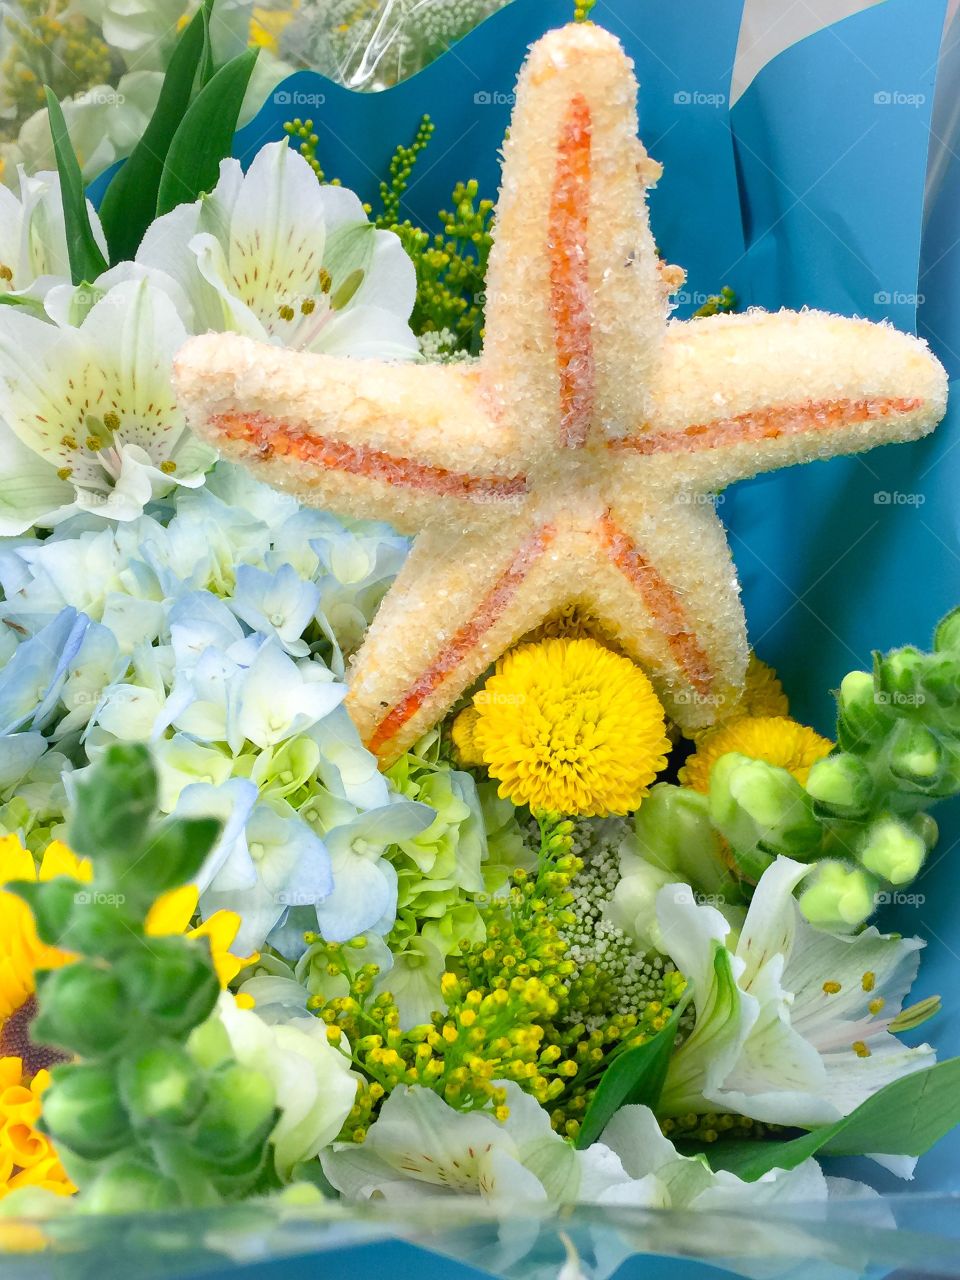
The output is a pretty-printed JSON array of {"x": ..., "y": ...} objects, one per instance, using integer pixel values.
[
  {"x": 861, "y": 815},
  {"x": 137, "y": 1119},
  {"x": 48, "y": 45},
  {"x": 898, "y": 734}
]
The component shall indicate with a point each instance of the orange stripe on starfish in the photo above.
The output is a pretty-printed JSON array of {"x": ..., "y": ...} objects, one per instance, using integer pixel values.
[
  {"x": 272, "y": 437},
  {"x": 469, "y": 635},
  {"x": 664, "y": 604},
  {"x": 570, "y": 274},
  {"x": 769, "y": 424}
]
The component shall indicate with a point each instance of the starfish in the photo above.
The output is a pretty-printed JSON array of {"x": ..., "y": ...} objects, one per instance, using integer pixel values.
[{"x": 575, "y": 461}]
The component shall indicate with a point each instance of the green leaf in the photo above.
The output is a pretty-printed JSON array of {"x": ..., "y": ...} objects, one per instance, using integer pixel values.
[
  {"x": 906, "y": 1118},
  {"x": 177, "y": 852},
  {"x": 130, "y": 203},
  {"x": 636, "y": 1076},
  {"x": 113, "y": 804},
  {"x": 86, "y": 260},
  {"x": 207, "y": 64},
  {"x": 205, "y": 135}
]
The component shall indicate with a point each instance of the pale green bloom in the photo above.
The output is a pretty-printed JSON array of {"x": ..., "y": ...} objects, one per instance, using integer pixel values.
[{"x": 314, "y": 1085}]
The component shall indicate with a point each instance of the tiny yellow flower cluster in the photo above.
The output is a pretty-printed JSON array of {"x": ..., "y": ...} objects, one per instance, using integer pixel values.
[
  {"x": 513, "y": 1010},
  {"x": 49, "y": 45}
]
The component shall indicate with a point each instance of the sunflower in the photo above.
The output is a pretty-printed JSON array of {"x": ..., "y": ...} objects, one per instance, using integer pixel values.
[
  {"x": 776, "y": 739},
  {"x": 569, "y": 727},
  {"x": 27, "y": 1157}
]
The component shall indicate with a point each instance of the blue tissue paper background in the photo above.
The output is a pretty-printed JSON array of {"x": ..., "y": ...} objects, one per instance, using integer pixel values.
[{"x": 810, "y": 191}]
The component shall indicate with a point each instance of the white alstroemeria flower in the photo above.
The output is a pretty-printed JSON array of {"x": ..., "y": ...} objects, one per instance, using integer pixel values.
[
  {"x": 33, "y": 237},
  {"x": 656, "y": 1173},
  {"x": 792, "y": 1022},
  {"x": 420, "y": 1147},
  {"x": 276, "y": 256},
  {"x": 105, "y": 123},
  {"x": 144, "y": 32},
  {"x": 314, "y": 1085},
  {"x": 94, "y": 407}
]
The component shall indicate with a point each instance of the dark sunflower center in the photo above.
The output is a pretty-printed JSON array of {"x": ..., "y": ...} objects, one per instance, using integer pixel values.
[{"x": 15, "y": 1041}]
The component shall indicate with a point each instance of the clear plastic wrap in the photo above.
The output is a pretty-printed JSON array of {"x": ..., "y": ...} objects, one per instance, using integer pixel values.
[{"x": 373, "y": 44}]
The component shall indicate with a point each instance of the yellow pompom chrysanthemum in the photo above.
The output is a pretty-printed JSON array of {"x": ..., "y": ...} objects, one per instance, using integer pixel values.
[
  {"x": 763, "y": 693},
  {"x": 569, "y": 727},
  {"x": 776, "y": 739},
  {"x": 462, "y": 734}
]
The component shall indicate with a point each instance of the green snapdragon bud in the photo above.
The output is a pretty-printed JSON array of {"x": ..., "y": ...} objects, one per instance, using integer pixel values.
[
  {"x": 899, "y": 674},
  {"x": 916, "y": 756},
  {"x": 128, "y": 1185},
  {"x": 941, "y": 680},
  {"x": 238, "y": 1113},
  {"x": 83, "y": 1111},
  {"x": 838, "y": 897},
  {"x": 161, "y": 1086},
  {"x": 674, "y": 832},
  {"x": 925, "y": 826},
  {"x": 758, "y": 806},
  {"x": 946, "y": 638},
  {"x": 172, "y": 982},
  {"x": 862, "y": 714},
  {"x": 841, "y": 786},
  {"x": 83, "y": 1010},
  {"x": 892, "y": 850}
]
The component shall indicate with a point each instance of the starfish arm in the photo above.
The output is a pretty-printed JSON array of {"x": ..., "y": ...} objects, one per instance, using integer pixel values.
[
  {"x": 458, "y": 603},
  {"x": 574, "y": 289},
  {"x": 395, "y": 442},
  {"x": 741, "y": 394},
  {"x": 664, "y": 587}
]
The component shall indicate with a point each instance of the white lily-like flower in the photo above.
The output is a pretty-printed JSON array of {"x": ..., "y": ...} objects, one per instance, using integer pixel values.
[
  {"x": 105, "y": 123},
  {"x": 89, "y": 419},
  {"x": 420, "y": 1147},
  {"x": 275, "y": 255},
  {"x": 792, "y": 1022},
  {"x": 314, "y": 1085},
  {"x": 33, "y": 237}
]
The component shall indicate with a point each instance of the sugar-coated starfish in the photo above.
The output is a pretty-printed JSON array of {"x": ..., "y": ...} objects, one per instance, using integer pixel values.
[{"x": 576, "y": 459}]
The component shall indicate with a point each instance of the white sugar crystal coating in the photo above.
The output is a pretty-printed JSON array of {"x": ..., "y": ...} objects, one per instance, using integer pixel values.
[{"x": 574, "y": 462}]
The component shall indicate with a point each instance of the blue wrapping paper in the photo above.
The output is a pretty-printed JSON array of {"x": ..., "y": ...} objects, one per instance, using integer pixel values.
[{"x": 814, "y": 189}]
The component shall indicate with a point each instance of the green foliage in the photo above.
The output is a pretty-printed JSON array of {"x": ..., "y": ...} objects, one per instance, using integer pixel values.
[
  {"x": 451, "y": 264},
  {"x": 636, "y": 1076},
  {"x": 130, "y": 203},
  {"x": 86, "y": 259},
  {"x": 139, "y": 1120},
  {"x": 204, "y": 136},
  {"x": 719, "y": 303},
  {"x": 906, "y": 1118}
]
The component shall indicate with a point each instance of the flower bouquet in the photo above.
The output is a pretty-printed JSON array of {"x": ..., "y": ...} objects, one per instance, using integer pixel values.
[{"x": 399, "y": 836}]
